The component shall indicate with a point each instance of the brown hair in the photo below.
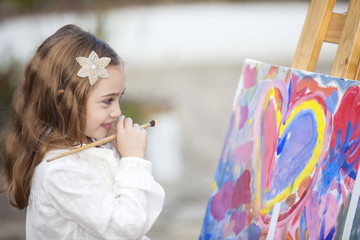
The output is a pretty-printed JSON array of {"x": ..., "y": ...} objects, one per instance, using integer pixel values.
[{"x": 48, "y": 107}]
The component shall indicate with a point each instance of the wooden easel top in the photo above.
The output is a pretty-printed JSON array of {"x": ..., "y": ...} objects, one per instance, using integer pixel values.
[{"x": 322, "y": 24}]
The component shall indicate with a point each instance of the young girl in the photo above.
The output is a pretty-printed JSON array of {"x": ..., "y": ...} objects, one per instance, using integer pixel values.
[{"x": 68, "y": 97}]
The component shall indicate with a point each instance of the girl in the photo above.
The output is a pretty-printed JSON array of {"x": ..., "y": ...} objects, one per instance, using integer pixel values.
[{"x": 67, "y": 98}]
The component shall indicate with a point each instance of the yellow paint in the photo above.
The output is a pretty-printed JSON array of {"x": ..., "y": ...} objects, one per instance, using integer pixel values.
[
  {"x": 214, "y": 186},
  {"x": 258, "y": 180},
  {"x": 320, "y": 119},
  {"x": 250, "y": 121}
]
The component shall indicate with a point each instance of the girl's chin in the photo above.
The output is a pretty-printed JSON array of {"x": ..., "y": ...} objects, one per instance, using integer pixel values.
[{"x": 88, "y": 140}]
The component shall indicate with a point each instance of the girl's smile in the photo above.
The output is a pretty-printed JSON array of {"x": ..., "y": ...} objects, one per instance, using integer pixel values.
[{"x": 107, "y": 126}]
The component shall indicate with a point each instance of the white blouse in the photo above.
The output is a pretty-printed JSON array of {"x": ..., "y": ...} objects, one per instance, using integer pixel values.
[{"x": 92, "y": 195}]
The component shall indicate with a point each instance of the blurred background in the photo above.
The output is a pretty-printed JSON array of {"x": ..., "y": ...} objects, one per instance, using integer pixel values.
[{"x": 183, "y": 61}]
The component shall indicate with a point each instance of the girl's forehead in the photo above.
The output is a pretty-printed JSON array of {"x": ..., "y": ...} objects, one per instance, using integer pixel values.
[{"x": 114, "y": 84}]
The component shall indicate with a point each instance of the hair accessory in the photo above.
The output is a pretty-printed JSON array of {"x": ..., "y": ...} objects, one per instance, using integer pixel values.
[{"x": 93, "y": 67}]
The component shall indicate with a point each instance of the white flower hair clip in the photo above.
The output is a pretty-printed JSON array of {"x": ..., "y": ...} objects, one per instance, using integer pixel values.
[{"x": 93, "y": 67}]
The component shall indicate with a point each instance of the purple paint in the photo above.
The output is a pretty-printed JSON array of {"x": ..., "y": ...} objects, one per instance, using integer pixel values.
[
  {"x": 221, "y": 200},
  {"x": 297, "y": 144},
  {"x": 230, "y": 197},
  {"x": 239, "y": 219},
  {"x": 331, "y": 101},
  {"x": 254, "y": 232},
  {"x": 244, "y": 111}
]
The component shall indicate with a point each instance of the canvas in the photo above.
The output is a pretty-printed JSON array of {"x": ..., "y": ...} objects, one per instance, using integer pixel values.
[{"x": 290, "y": 159}]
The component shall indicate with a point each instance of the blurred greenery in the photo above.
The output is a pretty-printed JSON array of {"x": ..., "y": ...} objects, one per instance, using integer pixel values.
[
  {"x": 8, "y": 78},
  {"x": 133, "y": 110}
]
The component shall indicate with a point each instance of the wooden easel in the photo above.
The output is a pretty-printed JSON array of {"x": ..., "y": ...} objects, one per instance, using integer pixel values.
[{"x": 322, "y": 24}]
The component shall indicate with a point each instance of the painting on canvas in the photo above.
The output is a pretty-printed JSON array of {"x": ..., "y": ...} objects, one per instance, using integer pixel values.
[{"x": 290, "y": 159}]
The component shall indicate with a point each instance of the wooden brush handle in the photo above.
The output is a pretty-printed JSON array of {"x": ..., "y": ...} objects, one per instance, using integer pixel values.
[
  {"x": 97, "y": 143},
  {"x": 93, "y": 144}
]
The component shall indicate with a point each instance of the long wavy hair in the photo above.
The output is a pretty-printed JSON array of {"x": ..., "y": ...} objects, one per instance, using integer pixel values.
[{"x": 48, "y": 108}]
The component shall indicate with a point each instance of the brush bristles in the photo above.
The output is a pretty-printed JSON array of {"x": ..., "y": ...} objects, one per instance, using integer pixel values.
[{"x": 152, "y": 123}]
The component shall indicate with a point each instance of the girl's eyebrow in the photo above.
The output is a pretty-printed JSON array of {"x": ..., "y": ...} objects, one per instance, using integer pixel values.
[{"x": 114, "y": 94}]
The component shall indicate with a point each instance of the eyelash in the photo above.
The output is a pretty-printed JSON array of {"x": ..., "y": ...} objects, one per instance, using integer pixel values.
[{"x": 109, "y": 101}]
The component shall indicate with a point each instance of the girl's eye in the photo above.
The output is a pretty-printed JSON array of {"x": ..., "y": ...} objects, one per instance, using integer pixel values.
[{"x": 108, "y": 101}]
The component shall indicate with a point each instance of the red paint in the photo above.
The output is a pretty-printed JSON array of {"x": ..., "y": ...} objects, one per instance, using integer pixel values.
[
  {"x": 313, "y": 86},
  {"x": 349, "y": 111},
  {"x": 272, "y": 72}
]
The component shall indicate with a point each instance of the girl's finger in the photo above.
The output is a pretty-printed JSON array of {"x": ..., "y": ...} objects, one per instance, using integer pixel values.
[
  {"x": 128, "y": 123},
  {"x": 120, "y": 122}
]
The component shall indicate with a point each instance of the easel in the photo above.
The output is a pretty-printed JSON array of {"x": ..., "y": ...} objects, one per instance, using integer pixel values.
[{"x": 323, "y": 25}]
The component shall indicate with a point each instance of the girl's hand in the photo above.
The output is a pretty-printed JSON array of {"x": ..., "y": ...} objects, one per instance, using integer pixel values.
[{"x": 131, "y": 139}]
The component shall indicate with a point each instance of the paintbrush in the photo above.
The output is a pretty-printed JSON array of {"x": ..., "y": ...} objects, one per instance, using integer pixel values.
[{"x": 99, "y": 142}]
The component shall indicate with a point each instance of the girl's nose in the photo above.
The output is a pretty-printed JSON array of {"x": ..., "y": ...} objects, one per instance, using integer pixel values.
[{"x": 116, "y": 112}]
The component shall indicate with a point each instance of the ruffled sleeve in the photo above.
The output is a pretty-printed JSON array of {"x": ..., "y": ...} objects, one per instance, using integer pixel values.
[{"x": 127, "y": 211}]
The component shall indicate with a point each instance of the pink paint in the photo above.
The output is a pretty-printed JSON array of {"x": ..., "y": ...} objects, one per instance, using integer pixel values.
[
  {"x": 241, "y": 192},
  {"x": 249, "y": 77},
  {"x": 313, "y": 219},
  {"x": 242, "y": 153},
  {"x": 321, "y": 210},
  {"x": 270, "y": 134},
  {"x": 221, "y": 200},
  {"x": 349, "y": 183},
  {"x": 330, "y": 213}
]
